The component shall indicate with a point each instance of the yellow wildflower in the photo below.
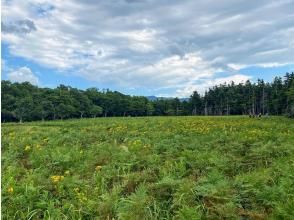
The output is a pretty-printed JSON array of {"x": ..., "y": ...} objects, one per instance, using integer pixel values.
[
  {"x": 98, "y": 168},
  {"x": 81, "y": 196},
  {"x": 10, "y": 190},
  {"x": 56, "y": 179},
  {"x": 38, "y": 146},
  {"x": 11, "y": 134},
  {"x": 27, "y": 148}
]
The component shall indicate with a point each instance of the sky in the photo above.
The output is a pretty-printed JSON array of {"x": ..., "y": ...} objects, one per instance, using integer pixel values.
[{"x": 146, "y": 47}]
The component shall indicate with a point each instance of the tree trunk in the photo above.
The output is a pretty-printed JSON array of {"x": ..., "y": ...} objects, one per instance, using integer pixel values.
[
  {"x": 221, "y": 108},
  {"x": 194, "y": 111},
  {"x": 227, "y": 108},
  {"x": 263, "y": 100},
  {"x": 253, "y": 107}
]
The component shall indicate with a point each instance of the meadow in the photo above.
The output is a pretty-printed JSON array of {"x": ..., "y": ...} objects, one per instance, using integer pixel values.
[{"x": 149, "y": 168}]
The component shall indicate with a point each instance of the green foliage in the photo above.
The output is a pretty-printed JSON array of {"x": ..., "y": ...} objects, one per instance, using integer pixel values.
[
  {"x": 290, "y": 95},
  {"x": 149, "y": 168},
  {"x": 191, "y": 213},
  {"x": 96, "y": 110},
  {"x": 134, "y": 206},
  {"x": 25, "y": 102}
]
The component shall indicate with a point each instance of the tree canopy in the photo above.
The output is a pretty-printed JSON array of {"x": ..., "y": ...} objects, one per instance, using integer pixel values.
[{"x": 26, "y": 102}]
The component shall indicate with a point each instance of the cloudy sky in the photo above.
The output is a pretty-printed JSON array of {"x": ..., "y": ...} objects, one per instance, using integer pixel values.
[{"x": 146, "y": 47}]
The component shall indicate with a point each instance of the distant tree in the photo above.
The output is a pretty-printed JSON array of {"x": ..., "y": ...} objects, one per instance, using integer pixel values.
[
  {"x": 23, "y": 108},
  {"x": 150, "y": 108},
  {"x": 25, "y": 102},
  {"x": 65, "y": 111},
  {"x": 290, "y": 99},
  {"x": 196, "y": 103},
  {"x": 138, "y": 106},
  {"x": 176, "y": 105},
  {"x": 47, "y": 109},
  {"x": 8, "y": 116},
  {"x": 81, "y": 102},
  {"x": 95, "y": 111},
  {"x": 170, "y": 111}
]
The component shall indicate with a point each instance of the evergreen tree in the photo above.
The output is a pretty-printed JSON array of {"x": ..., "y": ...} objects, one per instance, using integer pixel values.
[{"x": 25, "y": 102}]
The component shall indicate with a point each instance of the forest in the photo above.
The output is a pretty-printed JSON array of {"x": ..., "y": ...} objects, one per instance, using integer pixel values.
[{"x": 26, "y": 102}]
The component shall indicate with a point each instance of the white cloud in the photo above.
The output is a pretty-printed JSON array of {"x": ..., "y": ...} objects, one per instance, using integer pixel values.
[
  {"x": 23, "y": 74},
  {"x": 176, "y": 70},
  {"x": 236, "y": 66},
  {"x": 150, "y": 44},
  {"x": 205, "y": 83},
  {"x": 138, "y": 40}
]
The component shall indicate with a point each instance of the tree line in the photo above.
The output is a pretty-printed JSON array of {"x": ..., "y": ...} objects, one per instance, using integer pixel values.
[{"x": 26, "y": 102}]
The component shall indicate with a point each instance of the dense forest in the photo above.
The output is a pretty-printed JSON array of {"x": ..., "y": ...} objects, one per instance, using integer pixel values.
[{"x": 25, "y": 102}]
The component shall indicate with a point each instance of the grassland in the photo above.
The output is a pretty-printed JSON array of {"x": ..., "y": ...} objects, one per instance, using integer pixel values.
[{"x": 149, "y": 168}]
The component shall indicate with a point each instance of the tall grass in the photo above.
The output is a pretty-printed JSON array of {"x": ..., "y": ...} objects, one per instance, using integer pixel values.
[{"x": 149, "y": 168}]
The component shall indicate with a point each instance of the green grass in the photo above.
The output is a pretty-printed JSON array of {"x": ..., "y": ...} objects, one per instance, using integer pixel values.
[{"x": 149, "y": 168}]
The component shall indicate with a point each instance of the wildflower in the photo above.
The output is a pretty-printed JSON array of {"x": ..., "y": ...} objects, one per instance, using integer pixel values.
[
  {"x": 27, "y": 148},
  {"x": 11, "y": 134},
  {"x": 81, "y": 196},
  {"x": 98, "y": 168},
  {"x": 56, "y": 179},
  {"x": 38, "y": 146},
  {"x": 10, "y": 190}
]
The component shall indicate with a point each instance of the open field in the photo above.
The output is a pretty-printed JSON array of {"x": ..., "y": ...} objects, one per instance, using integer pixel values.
[{"x": 149, "y": 168}]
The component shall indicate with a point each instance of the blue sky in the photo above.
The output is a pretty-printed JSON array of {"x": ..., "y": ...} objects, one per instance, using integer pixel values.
[{"x": 146, "y": 47}]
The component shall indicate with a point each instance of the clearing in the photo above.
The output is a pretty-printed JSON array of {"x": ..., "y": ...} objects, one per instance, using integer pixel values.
[{"x": 149, "y": 168}]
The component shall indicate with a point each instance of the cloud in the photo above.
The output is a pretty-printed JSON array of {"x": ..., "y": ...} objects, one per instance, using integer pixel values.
[
  {"x": 176, "y": 70},
  {"x": 21, "y": 26},
  {"x": 23, "y": 74},
  {"x": 204, "y": 84},
  {"x": 151, "y": 44}
]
